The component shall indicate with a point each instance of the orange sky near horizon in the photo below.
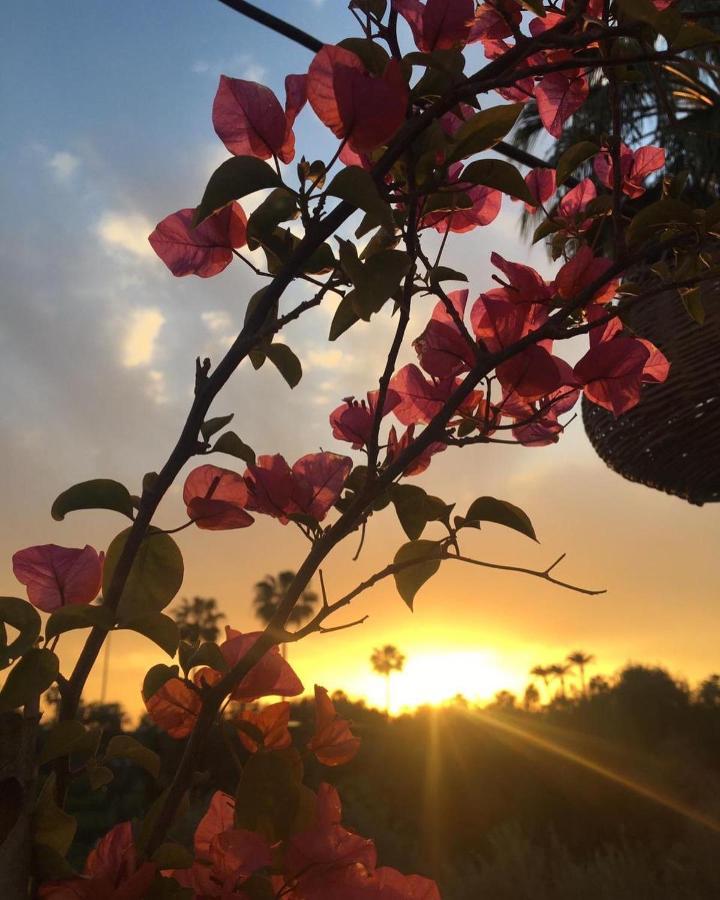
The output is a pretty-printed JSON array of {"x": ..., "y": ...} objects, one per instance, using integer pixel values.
[{"x": 98, "y": 342}]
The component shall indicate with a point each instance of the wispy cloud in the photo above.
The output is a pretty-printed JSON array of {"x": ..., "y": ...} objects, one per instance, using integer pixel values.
[
  {"x": 242, "y": 65},
  {"x": 138, "y": 345},
  {"x": 126, "y": 231},
  {"x": 63, "y": 166}
]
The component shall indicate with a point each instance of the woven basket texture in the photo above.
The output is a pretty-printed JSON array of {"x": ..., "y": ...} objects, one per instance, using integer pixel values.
[{"x": 671, "y": 440}]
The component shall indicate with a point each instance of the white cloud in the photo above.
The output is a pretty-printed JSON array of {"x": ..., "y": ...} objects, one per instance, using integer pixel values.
[
  {"x": 138, "y": 346},
  {"x": 329, "y": 359},
  {"x": 63, "y": 166},
  {"x": 126, "y": 231},
  {"x": 242, "y": 65},
  {"x": 217, "y": 321},
  {"x": 155, "y": 387}
]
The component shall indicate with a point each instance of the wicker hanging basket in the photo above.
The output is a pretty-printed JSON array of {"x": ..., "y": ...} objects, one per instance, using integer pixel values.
[{"x": 671, "y": 440}]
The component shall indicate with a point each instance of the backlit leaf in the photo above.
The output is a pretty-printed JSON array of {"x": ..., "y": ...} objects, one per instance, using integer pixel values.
[
  {"x": 358, "y": 187},
  {"x": 484, "y": 130},
  {"x": 235, "y": 178},
  {"x": 158, "y": 627},
  {"x": 498, "y": 174},
  {"x": 99, "y": 493},
  {"x": 231, "y": 444},
  {"x": 123, "y": 746},
  {"x": 22, "y": 616},
  {"x": 489, "y": 509},
  {"x": 420, "y": 561},
  {"x": 69, "y": 618},
  {"x": 286, "y": 362},
  {"x": 572, "y": 157},
  {"x": 33, "y": 674}
]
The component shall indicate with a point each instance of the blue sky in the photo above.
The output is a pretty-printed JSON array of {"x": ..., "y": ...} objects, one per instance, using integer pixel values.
[{"x": 106, "y": 129}]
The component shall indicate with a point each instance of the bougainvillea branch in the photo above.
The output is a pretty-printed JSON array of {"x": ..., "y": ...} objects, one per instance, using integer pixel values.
[{"x": 415, "y": 158}]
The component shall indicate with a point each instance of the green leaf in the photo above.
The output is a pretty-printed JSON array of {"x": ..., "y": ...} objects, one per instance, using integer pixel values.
[
  {"x": 268, "y": 793},
  {"x": 572, "y": 157},
  {"x": 411, "y": 509},
  {"x": 156, "y": 678},
  {"x": 33, "y": 674},
  {"x": 21, "y": 615},
  {"x": 381, "y": 277},
  {"x": 660, "y": 214},
  {"x": 693, "y": 303},
  {"x": 235, "y": 178},
  {"x": 158, "y": 627},
  {"x": 123, "y": 746},
  {"x": 692, "y": 35},
  {"x": 446, "y": 200},
  {"x": 421, "y": 561},
  {"x": 51, "y": 826},
  {"x": 172, "y": 856},
  {"x": 209, "y": 428},
  {"x": 279, "y": 206},
  {"x": 49, "y": 865},
  {"x": 99, "y": 493},
  {"x": 231, "y": 444},
  {"x": 61, "y": 739},
  {"x": 286, "y": 362},
  {"x": 358, "y": 187},
  {"x": 484, "y": 130},
  {"x": 489, "y": 509},
  {"x": 443, "y": 273},
  {"x": 208, "y": 654},
  {"x": 155, "y": 577},
  {"x": 98, "y": 776},
  {"x": 498, "y": 174},
  {"x": 69, "y": 618},
  {"x": 545, "y": 229},
  {"x": 345, "y": 317},
  {"x": 373, "y": 55}
]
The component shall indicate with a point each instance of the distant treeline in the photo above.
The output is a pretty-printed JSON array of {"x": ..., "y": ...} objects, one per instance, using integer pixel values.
[{"x": 611, "y": 794}]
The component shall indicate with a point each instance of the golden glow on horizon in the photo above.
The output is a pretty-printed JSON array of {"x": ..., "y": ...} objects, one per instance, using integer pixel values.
[{"x": 433, "y": 677}]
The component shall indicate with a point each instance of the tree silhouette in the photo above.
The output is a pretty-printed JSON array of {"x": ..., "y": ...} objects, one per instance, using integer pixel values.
[
  {"x": 270, "y": 592},
  {"x": 579, "y": 659},
  {"x": 386, "y": 660},
  {"x": 197, "y": 619},
  {"x": 531, "y": 697},
  {"x": 559, "y": 671},
  {"x": 545, "y": 674}
]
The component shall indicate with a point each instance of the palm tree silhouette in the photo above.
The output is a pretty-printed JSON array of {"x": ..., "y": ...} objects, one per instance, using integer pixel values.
[
  {"x": 544, "y": 673},
  {"x": 579, "y": 659},
  {"x": 386, "y": 660},
  {"x": 531, "y": 697},
  {"x": 271, "y": 591},
  {"x": 197, "y": 619},
  {"x": 559, "y": 671}
]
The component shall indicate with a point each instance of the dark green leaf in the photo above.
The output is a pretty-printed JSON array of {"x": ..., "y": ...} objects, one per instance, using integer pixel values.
[
  {"x": 345, "y": 317},
  {"x": 421, "y": 561},
  {"x": 49, "y": 865},
  {"x": 209, "y": 428},
  {"x": 409, "y": 501},
  {"x": 172, "y": 856},
  {"x": 231, "y": 444},
  {"x": 51, "y": 826},
  {"x": 443, "y": 273},
  {"x": 660, "y": 214},
  {"x": 19, "y": 614},
  {"x": 235, "y": 178},
  {"x": 32, "y": 674},
  {"x": 498, "y": 174},
  {"x": 155, "y": 577},
  {"x": 98, "y": 776},
  {"x": 484, "y": 130},
  {"x": 69, "y": 618},
  {"x": 693, "y": 302},
  {"x": 148, "y": 823},
  {"x": 279, "y": 206},
  {"x": 268, "y": 793},
  {"x": 99, "y": 493},
  {"x": 358, "y": 187},
  {"x": 61, "y": 739},
  {"x": 285, "y": 361},
  {"x": 158, "y": 627},
  {"x": 208, "y": 654},
  {"x": 489, "y": 509},
  {"x": 545, "y": 229},
  {"x": 382, "y": 275},
  {"x": 572, "y": 157},
  {"x": 156, "y": 678},
  {"x": 374, "y": 57},
  {"x": 123, "y": 746}
]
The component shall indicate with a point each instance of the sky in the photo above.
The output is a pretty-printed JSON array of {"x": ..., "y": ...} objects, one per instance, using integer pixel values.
[{"x": 107, "y": 129}]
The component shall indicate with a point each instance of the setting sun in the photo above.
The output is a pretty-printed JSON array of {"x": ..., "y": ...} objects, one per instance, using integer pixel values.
[{"x": 433, "y": 678}]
